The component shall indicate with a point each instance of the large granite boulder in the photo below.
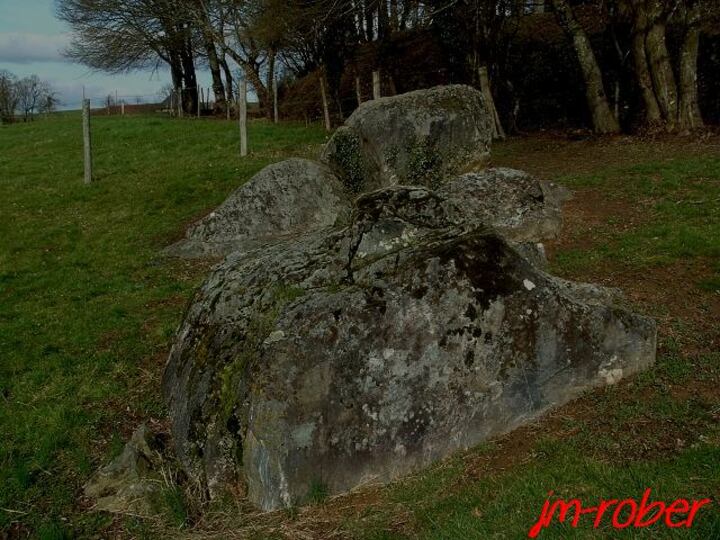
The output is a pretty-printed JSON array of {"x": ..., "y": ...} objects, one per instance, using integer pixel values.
[
  {"x": 419, "y": 138},
  {"x": 291, "y": 197},
  {"x": 338, "y": 357},
  {"x": 330, "y": 348}
]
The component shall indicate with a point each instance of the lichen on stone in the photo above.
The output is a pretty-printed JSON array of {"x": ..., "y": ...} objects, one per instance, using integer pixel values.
[
  {"x": 347, "y": 160},
  {"x": 420, "y": 325}
]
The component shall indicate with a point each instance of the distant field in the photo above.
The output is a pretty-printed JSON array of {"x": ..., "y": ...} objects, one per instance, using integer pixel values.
[{"x": 88, "y": 308}]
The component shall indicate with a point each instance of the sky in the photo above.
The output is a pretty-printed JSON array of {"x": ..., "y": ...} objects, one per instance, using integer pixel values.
[{"x": 31, "y": 42}]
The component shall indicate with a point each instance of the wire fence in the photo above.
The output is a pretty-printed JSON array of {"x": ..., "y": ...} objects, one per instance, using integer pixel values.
[
  {"x": 114, "y": 98},
  {"x": 297, "y": 101},
  {"x": 314, "y": 102}
]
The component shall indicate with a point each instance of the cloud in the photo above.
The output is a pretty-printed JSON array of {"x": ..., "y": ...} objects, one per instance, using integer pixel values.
[{"x": 27, "y": 47}]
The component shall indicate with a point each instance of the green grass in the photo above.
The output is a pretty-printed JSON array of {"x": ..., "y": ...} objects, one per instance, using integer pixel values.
[
  {"x": 87, "y": 306},
  {"x": 678, "y": 201},
  {"x": 507, "y": 505}
]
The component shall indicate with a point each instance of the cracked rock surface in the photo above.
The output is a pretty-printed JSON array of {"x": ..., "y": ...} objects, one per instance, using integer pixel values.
[
  {"x": 369, "y": 352},
  {"x": 365, "y": 346}
]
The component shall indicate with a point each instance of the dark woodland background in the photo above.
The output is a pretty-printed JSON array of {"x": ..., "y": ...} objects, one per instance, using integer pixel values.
[{"x": 607, "y": 65}]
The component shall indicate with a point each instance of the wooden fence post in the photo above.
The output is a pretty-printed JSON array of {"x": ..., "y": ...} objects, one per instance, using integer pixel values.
[
  {"x": 358, "y": 91},
  {"x": 376, "y": 84},
  {"x": 242, "y": 117},
  {"x": 87, "y": 149},
  {"x": 122, "y": 108},
  {"x": 198, "y": 98},
  {"x": 180, "y": 103},
  {"x": 323, "y": 95}
]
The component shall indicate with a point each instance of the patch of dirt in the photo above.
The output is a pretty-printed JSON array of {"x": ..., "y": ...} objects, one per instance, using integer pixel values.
[
  {"x": 590, "y": 215},
  {"x": 549, "y": 155},
  {"x": 670, "y": 294},
  {"x": 667, "y": 292},
  {"x": 179, "y": 234}
]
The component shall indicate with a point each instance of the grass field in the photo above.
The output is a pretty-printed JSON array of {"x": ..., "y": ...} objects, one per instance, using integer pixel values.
[{"x": 88, "y": 308}]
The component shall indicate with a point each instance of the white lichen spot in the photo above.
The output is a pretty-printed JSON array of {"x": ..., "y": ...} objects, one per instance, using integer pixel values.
[
  {"x": 375, "y": 363},
  {"x": 611, "y": 376},
  {"x": 366, "y": 409},
  {"x": 275, "y": 336},
  {"x": 529, "y": 285}
]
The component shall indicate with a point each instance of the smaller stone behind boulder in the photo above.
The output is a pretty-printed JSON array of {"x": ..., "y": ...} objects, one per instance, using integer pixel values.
[
  {"x": 290, "y": 197},
  {"x": 519, "y": 206},
  {"x": 418, "y": 138}
]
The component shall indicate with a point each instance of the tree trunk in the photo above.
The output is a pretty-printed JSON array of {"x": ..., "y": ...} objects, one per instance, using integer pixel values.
[
  {"x": 369, "y": 20},
  {"x": 358, "y": 26},
  {"x": 270, "y": 84},
  {"x": 228, "y": 81},
  {"x": 264, "y": 98},
  {"x": 213, "y": 61},
  {"x": 190, "y": 93},
  {"x": 689, "y": 116},
  {"x": 252, "y": 74},
  {"x": 383, "y": 19},
  {"x": 484, "y": 79},
  {"x": 214, "y": 64},
  {"x": 642, "y": 75},
  {"x": 176, "y": 72},
  {"x": 642, "y": 71},
  {"x": 661, "y": 72},
  {"x": 602, "y": 117},
  {"x": 391, "y": 84},
  {"x": 394, "y": 16},
  {"x": 323, "y": 97}
]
